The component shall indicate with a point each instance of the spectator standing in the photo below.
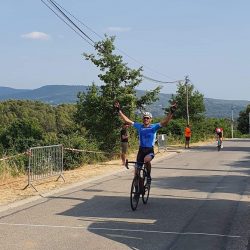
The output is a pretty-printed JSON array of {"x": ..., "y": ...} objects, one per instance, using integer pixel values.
[{"x": 187, "y": 136}]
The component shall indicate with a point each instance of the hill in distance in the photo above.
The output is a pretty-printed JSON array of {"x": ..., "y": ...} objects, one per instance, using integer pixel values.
[
  {"x": 9, "y": 91},
  {"x": 52, "y": 94},
  {"x": 58, "y": 94}
]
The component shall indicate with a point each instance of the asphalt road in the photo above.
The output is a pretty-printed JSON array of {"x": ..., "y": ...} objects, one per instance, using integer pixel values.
[{"x": 199, "y": 200}]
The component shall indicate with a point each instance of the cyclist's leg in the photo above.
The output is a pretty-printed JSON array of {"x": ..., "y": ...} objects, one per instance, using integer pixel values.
[
  {"x": 220, "y": 136},
  {"x": 147, "y": 159},
  {"x": 146, "y": 155},
  {"x": 217, "y": 137}
]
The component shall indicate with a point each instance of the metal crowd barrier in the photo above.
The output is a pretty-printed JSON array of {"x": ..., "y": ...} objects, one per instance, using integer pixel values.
[
  {"x": 45, "y": 162},
  {"x": 162, "y": 142}
]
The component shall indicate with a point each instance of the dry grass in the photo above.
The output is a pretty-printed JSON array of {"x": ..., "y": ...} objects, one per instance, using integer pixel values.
[{"x": 12, "y": 188}]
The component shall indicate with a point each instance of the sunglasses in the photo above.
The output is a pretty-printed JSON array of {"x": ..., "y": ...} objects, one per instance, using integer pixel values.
[{"x": 144, "y": 118}]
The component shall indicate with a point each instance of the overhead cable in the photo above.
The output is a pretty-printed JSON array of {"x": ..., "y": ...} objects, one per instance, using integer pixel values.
[
  {"x": 101, "y": 37},
  {"x": 77, "y": 32},
  {"x": 90, "y": 41},
  {"x": 70, "y": 20},
  {"x": 154, "y": 80}
]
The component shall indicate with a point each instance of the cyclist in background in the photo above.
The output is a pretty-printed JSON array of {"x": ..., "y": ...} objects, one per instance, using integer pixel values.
[
  {"x": 147, "y": 135},
  {"x": 219, "y": 135}
]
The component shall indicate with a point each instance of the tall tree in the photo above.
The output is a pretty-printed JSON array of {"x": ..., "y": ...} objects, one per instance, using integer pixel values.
[
  {"x": 95, "y": 107},
  {"x": 243, "y": 121},
  {"x": 196, "y": 104}
]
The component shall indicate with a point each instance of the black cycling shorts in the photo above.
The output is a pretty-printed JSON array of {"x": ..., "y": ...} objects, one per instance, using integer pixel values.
[
  {"x": 219, "y": 134},
  {"x": 144, "y": 152}
]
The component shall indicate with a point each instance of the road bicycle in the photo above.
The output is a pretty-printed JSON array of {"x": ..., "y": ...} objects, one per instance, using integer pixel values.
[{"x": 140, "y": 186}]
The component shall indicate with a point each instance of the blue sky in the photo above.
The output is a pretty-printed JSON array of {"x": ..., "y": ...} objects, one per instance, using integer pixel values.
[{"x": 208, "y": 40}]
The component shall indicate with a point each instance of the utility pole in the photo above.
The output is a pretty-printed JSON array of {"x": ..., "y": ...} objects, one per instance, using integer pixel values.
[
  {"x": 232, "y": 123},
  {"x": 186, "y": 84},
  {"x": 249, "y": 122}
]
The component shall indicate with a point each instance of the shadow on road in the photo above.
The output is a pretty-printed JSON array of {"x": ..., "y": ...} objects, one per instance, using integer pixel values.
[
  {"x": 199, "y": 214},
  {"x": 165, "y": 222}
]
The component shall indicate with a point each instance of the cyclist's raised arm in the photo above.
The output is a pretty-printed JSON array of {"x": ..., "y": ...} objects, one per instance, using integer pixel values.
[
  {"x": 123, "y": 116},
  {"x": 166, "y": 120}
]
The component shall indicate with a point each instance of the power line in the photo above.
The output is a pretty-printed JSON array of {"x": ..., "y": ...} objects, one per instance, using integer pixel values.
[
  {"x": 83, "y": 35},
  {"x": 101, "y": 37},
  {"x": 78, "y": 20},
  {"x": 77, "y": 32},
  {"x": 164, "y": 82},
  {"x": 70, "y": 20}
]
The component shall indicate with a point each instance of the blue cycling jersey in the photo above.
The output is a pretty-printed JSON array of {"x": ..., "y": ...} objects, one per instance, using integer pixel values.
[{"x": 147, "y": 135}]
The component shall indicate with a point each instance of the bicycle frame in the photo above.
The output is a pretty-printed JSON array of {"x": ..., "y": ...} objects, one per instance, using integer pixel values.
[{"x": 139, "y": 186}]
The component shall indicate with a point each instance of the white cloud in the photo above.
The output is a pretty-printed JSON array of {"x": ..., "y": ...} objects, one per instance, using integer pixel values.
[
  {"x": 119, "y": 29},
  {"x": 35, "y": 35}
]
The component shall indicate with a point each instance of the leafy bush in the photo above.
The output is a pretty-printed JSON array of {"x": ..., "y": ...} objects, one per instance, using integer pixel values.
[
  {"x": 73, "y": 159},
  {"x": 20, "y": 135}
]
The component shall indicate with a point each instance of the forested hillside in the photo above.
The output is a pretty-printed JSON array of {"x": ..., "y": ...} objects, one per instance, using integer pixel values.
[
  {"x": 53, "y": 94},
  {"x": 30, "y": 123},
  {"x": 26, "y": 123},
  {"x": 59, "y": 94}
]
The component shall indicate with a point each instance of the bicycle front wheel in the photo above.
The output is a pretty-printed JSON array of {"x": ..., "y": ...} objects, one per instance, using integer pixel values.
[{"x": 134, "y": 193}]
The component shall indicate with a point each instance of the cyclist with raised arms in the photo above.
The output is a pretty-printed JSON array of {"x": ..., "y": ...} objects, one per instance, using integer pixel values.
[{"x": 147, "y": 134}]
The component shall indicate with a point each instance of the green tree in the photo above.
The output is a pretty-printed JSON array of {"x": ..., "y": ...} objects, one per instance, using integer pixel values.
[
  {"x": 243, "y": 121},
  {"x": 95, "y": 107},
  {"x": 196, "y": 104},
  {"x": 64, "y": 114},
  {"x": 20, "y": 135}
]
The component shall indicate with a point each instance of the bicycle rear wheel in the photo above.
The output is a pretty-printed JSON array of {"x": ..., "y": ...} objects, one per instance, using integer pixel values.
[
  {"x": 134, "y": 193},
  {"x": 145, "y": 194}
]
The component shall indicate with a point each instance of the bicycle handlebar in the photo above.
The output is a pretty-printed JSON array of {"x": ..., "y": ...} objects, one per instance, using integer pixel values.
[{"x": 132, "y": 162}]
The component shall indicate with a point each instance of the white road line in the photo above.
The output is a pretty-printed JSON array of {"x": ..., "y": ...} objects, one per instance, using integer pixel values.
[
  {"x": 120, "y": 229},
  {"x": 127, "y": 220}
]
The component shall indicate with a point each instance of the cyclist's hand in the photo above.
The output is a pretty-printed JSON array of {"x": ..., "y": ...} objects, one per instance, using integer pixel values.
[{"x": 173, "y": 107}]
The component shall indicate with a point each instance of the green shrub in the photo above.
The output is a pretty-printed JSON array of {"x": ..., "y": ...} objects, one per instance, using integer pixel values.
[{"x": 73, "y": 159}]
